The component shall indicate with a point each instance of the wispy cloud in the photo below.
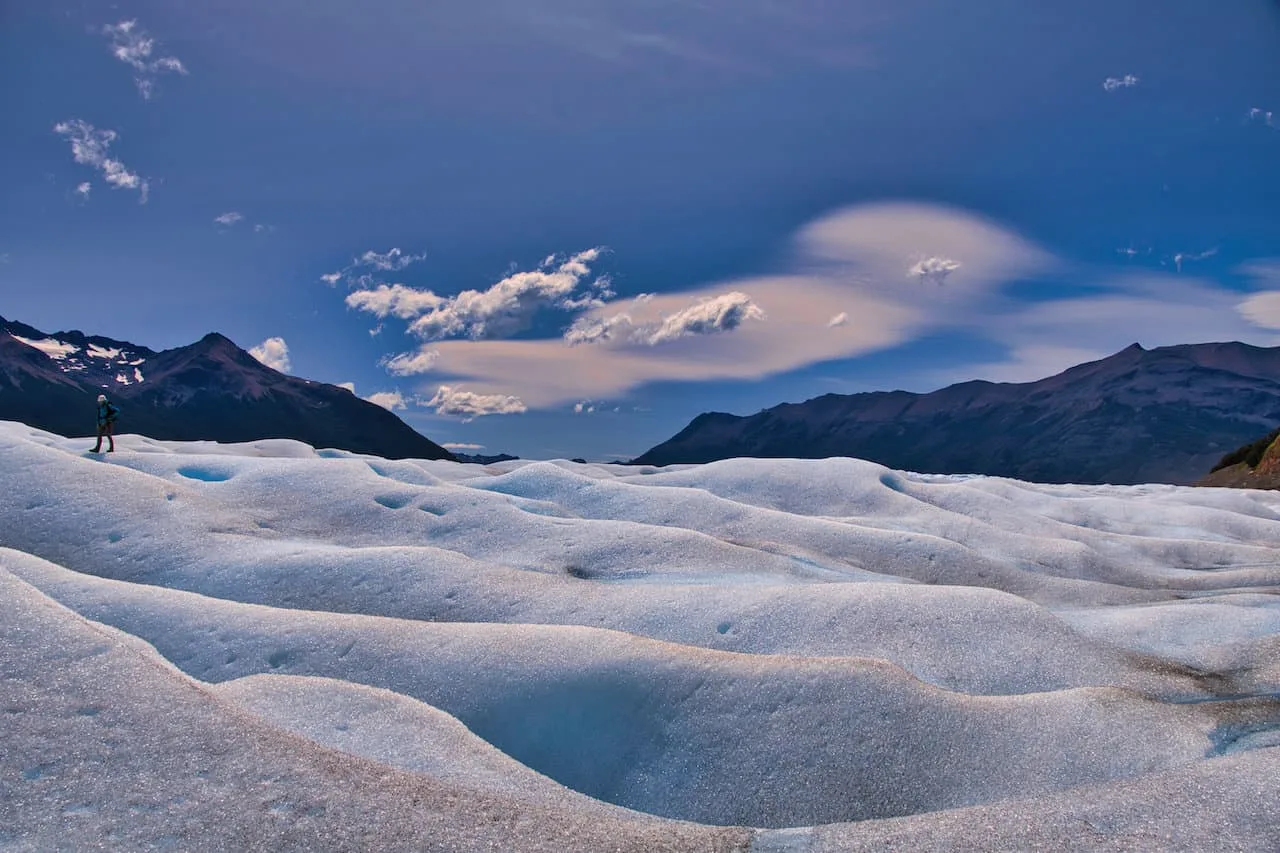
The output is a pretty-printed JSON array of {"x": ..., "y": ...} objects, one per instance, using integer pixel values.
[
  {"x": 133, "y": 46},
  {"x": 1181, "y": 257},
  {"x": 838, "y": 320},
  {"x": 357, "y": 273},
  {"x": 1266, "y": 117},
  {"x": 274, "y": 353},
  {"x": 389, "y": 400},
  {"x": 449, "y": 400},
  {"x": 90, "y": 145},
  {"x": 504, "y": 308},
  {"x": 934, "y": 270},
  {"x": 584, "y": 407},
  {"x": 228, "y": 219},
  {"x": 84, "y": 189},
  {"x": 461, "y": 445},
  {"x": 1128, "y": 81},
  {"x": 411, "y": 363}
]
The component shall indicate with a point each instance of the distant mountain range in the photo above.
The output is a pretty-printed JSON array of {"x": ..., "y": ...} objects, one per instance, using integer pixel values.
[
  {"x": 482, "y": 459},
  {"x": 1164, "y": 415},
  {"x": 210, "y": 390}
]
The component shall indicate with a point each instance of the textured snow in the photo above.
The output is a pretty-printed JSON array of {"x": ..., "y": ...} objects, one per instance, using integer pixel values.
[{"x": 868, "y": 657}]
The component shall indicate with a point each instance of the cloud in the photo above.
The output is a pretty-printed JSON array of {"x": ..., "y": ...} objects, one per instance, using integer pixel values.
[
  {"x": 259, "y": 228},
  {"x": 849, "y": 262},
  {"x": 449, "y": 400},
  {"x": 710, "y": 315},
  {"x": 1180, "y": 257},
  {"x": 504, "y": 308},
  {"x": 392, "y": 260},
  {"x": 350, "y": 386},
  {"x": 395, "y": 300},
  {"x": 461, "y": 445},
  {"x": 411, "y": 363},
  {"x": 584, "y": 407},
  {"x": 1128, "y": 81},
  {"x": 1266, "y": 117},
  {"x": 389, "y": 400},
  {"x": 274, "y": 353},
  {"x": 89, "y": 146},
  {"x": 1262, "y": 309},
  {"x": 84, "y": 189},
  {"x": 132, "y": 46},
  {"x": 840, "y": 319},
  {"x": 935, "y": 270},
  {"x": 228, "y": 219}
]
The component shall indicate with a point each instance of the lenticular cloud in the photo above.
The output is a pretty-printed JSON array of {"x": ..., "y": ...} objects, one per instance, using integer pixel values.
[{"x": 300, "y": 647}]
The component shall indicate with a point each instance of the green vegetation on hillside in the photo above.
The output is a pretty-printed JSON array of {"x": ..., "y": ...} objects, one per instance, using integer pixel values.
[{"x": 1250, "y": 454}]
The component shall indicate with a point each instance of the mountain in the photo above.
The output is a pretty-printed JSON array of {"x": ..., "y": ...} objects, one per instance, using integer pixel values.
[
  {"x": 1161, "y": 415},
  {"x": 210, "y": 390},
  {"x": 481, "y": 459}
]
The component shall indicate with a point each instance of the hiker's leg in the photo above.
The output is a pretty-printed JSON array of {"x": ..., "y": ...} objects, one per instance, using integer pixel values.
[
  {"x": 111, "y": 439},
  {"x": 98, "y": 447}
]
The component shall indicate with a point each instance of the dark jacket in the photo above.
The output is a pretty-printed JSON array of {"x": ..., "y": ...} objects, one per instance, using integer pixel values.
[{"x": 107, "y": 413}]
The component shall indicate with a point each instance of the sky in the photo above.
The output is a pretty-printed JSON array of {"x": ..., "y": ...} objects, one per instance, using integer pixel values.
[{"x": 561, "y": 228}]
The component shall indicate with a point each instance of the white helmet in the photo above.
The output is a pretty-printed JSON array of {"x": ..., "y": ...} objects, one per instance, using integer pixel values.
[{"x": 102, "y": 398}]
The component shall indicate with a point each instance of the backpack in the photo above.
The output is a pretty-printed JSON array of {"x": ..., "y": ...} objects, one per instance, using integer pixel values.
[{"x": 112, "y": 413}]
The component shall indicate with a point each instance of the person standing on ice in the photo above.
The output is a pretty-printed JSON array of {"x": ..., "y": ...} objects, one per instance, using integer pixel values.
[{"x": 107, "y": 414}]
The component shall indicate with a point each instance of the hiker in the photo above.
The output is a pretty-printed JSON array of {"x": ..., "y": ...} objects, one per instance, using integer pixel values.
[{"x": 107, "y": 414}]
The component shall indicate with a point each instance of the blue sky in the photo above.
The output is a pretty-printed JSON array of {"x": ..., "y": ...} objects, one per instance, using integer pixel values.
[{"x": 565, "y": 227}]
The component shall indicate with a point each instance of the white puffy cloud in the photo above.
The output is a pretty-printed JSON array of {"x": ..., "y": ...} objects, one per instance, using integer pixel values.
[
  {"x": 228, "y": 219},
  {"x": 84, "y": 189},
  {"x": 710, "y": 315},
  {"x": 1128, "y": 81},
  {"x": 449, "y": 400},
  {"x": 132, "y": 46},
  {"x": 935, "y": 270},
  {"x": 350, "y": 386},
  {"x": 504, "y": 308},
  {"x": 274, "y": 353},
  {"x": 395, "y": 300},
  {"x": 89, "y": 146},
  {"x": 389, "y": 400}
]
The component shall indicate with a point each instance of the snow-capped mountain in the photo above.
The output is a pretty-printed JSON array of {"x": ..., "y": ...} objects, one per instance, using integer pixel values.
[
  {"x": 1160, "y": 415},
  {"x": 211, "y": 390}
]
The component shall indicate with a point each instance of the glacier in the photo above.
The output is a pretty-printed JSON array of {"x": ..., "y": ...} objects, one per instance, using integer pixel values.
[{"x": 272, "y": 646}]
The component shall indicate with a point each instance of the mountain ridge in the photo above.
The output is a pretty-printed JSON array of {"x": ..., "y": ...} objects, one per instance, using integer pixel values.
[
  {"x": 1139, "y": 415},
  {"x": 207, "y": 390}
]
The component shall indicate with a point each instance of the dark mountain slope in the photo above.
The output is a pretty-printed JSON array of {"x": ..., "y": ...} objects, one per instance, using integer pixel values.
[
  {"x": 1162, "y": 415},
  {"x": 210, "y": 390}
]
